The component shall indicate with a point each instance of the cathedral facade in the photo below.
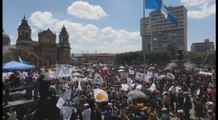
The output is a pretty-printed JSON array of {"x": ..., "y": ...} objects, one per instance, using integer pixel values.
[{"x": 46, "y": 47}]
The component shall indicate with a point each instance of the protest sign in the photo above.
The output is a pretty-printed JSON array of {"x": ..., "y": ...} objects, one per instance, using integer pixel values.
[
  {"x": 124, "y": 74},
  {"x": 64, "y": 70},
  {"x": 139, "y": 76},
  {"x": 60, "y": 103},
  {"x": 67, "y": 94},
  {"x": 67, "y": 111}
]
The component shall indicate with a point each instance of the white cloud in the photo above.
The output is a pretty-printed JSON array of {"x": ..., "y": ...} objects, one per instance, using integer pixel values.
[
  {"x": 195, "y": 2},
  {"x": 83, "y": 36},
  {"x": 198, "y": 9},
  {"x": 83, "y": 9},
  {"x": 118, "y": 36},
  {"x": 42, "y": 19},
  {"x": 13, "y": 39}
]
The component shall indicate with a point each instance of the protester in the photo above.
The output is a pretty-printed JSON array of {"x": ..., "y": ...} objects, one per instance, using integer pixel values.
[
  {"x": 12, "y": 114},
  {"x": 162, "y": 88}
]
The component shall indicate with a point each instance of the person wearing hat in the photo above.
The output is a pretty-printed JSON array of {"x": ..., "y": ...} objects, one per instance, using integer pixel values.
[
  {"x": 143, "y": 114},
  {"x": 187, "y": 105},
  {"x": 181, "y": 115},
  {"x": 199, "y": 109},
  {"x": 12, "y": 113},
  {"x": 210, "y": 115}
]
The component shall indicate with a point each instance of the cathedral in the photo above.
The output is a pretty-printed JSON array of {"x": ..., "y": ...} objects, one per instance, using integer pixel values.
[{"x": 46, "y": 47}]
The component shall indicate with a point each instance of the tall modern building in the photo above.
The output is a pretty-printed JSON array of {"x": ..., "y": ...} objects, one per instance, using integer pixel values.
[
  {"x": 158, "y": 33},
  {"x": 46, "y": 46},
  {"x": 202, "y": 46}
]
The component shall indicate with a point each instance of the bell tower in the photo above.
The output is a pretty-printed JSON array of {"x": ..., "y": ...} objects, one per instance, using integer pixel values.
[
  {"x": 64, "y": 37},
  {"x": 64, "y": 49},
  {"x": 24, "y": 31}
]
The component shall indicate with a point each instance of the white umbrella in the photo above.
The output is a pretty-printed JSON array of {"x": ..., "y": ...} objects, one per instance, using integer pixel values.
[
  {"x": 121, "y": 67},
  {"x": 76, "y": 74},
  {"x": 205, "y": 73},
  {"x": 170, "y": 76},
  {"x": 121, "y": 70}
]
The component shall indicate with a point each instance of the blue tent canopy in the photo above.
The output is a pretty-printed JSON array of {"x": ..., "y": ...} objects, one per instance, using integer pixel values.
[{"x": 17, "y": 66}]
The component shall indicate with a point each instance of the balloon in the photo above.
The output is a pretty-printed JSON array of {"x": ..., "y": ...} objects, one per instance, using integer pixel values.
[{"x": 104, "y": 69}]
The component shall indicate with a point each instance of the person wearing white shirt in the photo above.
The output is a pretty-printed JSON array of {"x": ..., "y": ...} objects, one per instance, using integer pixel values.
[
  {"x": 86, "y": 114},
  {"x": 12, "y": 114}
]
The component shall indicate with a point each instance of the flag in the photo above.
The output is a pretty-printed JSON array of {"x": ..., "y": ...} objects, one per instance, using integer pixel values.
[
  {"x": 79, "y": 86},
  {"x": 20, "y": 60},
  {"x": 159, "y": 6},
  {"x": 100, "y": 95},
  {"x": 98, "y": 79},
  {"x": 153, "y": 4}
]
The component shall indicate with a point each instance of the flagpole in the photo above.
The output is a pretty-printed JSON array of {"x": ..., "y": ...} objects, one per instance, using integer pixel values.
[
  {"x": 142, "y": 42},
  {"x": 151, "y": 34},
  {"x": 143, "y": 8}
]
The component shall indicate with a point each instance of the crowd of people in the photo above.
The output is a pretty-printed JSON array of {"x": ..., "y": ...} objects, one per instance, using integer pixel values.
[{"x": 169, "y": 93}]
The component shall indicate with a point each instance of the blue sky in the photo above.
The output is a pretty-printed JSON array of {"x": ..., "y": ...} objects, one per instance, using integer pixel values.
[{"x": 110, "y": 26}]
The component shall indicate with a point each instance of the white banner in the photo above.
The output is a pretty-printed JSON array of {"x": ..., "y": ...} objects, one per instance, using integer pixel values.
[
  {"x": 124, "y": 74},
  {"x": 67, "y": 111},
  {"x": 64, "y": 70},
  {"x": 152, "y": 88},
  {"x": 131, "y": 72},
  {"x": 60, "y": 103},
  {"x": 139, "y": 76},
  {"x": 67, "y": 94}
]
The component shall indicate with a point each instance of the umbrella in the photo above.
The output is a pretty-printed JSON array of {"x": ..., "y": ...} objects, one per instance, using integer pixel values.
[
  {"x": 121, "y": 67},
  {"x": 76, "y": 74},
  {"x": 170, "y": 76},
  {"x": 151, "y": 68},
  {"x": 205, "y": 73},
  {"x": 94, "y": 65},
  {"x": 17, "y": 66},
  {"x": 104, "y": 69},
  {"x": 121, "y": 70},
  {"x": 136, "y": 94}
]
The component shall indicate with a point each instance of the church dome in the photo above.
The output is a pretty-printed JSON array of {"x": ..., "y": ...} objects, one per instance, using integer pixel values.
[{"x": 6, "y": 38}]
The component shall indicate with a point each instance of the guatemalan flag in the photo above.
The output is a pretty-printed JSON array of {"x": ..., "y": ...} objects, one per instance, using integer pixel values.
[{"x": 159, "y": 5}]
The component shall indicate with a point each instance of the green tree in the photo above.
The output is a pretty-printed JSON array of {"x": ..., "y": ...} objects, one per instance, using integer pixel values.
[
  {"x": 172, "y": 50},
  {"x": 14, "y": 53}
]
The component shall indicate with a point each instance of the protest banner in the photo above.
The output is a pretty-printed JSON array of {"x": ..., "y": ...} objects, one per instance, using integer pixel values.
[
  {"x": 64, "y": 70},
  {"x": 60, "y": 103},
  {"x": 124, "y": 75},
  {"x": 67, "y": 111},
  {"x": 67, "y": 94},
  {"x": 139, "y": 76}
]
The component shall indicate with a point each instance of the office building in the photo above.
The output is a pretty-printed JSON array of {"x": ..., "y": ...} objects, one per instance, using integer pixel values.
[
  {"x": 158, "y": 33},
  {"x": 202, "y": 47}
]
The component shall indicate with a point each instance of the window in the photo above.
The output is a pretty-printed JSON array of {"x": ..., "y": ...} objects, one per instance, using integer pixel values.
[{"x": 26, "y": 35}]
